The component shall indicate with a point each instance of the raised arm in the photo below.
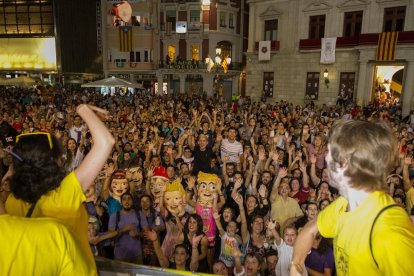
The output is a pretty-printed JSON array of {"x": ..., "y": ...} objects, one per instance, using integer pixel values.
[
  {"x": 244, "y": 230},
  {"x": 103, "y": 142},
  {"x": 153, "y": 236},
  {"x": 406, "y": 174},
  {"x": 302, "y": 247},
  {"x": 275, "y": 190},
  {"x": 218, "y": 224}
]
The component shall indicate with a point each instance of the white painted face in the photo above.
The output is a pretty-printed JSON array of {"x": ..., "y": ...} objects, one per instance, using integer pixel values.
[
  {"x": 174, "y": 202},
  {"x": 157, "y": 187},
  {"x": 119, "y": 186}
]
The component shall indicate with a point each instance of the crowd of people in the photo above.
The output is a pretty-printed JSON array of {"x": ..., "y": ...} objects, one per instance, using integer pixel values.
[{"x": 190, "y": 183}]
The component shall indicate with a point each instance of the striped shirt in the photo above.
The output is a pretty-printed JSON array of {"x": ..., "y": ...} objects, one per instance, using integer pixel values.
[{"x": 233, "y": 150}]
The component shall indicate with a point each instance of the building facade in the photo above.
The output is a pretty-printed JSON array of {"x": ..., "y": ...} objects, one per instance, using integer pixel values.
[
  {"x": 170, "y": 40},
  {"x": 297, "y": 69},
  {"x": 50, "y": 39}
]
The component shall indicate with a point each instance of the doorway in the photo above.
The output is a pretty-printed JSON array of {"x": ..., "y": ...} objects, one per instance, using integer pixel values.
[{"x": 387, "y": 86}]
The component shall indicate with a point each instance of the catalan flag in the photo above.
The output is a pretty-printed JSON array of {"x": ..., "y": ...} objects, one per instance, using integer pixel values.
[
  {"x": 125, "y": 39},
  {"x": 387, "y": 46}
]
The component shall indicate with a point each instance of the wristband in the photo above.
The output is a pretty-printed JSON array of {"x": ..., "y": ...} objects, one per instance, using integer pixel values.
[{"x": 297, "y": 266}]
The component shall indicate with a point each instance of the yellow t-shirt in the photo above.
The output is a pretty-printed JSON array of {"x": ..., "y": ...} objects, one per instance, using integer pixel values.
[
  {"x": 65, "y": 204},
  {"x": 409, "y": 202},
  {"x": 392, "y": 237},
  {"x": 284, "y": 209},
  {"x": 39, "y": 246}
]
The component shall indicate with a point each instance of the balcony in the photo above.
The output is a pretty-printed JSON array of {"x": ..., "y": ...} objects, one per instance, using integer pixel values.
[
  {"x": 130, "y": 66},
  {"x": 274, "y": 45},
  {"x": 195, "y": 65},
  {"x": 195, "y": 26},
  {"x": 351, "y": 42}
]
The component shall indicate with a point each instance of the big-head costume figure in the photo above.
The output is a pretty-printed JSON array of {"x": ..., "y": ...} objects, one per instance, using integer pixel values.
[
  {"x": 158, "y": 185},
  {"x": 208, "y": 186}
]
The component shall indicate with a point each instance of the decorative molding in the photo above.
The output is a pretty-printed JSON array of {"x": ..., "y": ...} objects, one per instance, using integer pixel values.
[
  {"x": 270, "y": 12},
  {"x": 318, "y": 5},
  {"x": 353, "y": 3},
  {"x": 385, "y": 1}
]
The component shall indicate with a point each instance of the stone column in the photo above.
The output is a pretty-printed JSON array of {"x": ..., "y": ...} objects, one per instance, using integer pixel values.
[
  {"x": 408, "y": 88},
  {"x": 252, "y": 28},
  {"x": 160, "y": 83},
  {"x": 208, "y": 84},
  {"x": 361, "y": 92},
  {"x": 182, "y": 83}
]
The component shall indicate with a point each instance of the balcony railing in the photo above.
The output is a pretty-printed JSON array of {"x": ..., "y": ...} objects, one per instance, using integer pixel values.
[
  {"x": 361, "y": 40},
  {"x": 274, "y": 45},
  {"x": 194, "y": 65}
]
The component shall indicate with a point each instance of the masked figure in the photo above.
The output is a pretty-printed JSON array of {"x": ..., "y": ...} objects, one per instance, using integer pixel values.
[
  {"x": 174, "y": 201},
  {"x": 157, "y": 185},
  {"x": 209, "y": 186}
]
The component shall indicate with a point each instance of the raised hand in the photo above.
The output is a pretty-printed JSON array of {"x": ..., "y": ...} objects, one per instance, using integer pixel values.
[
  {"x": 312, "y": 158},
  {"x": 216, "y": 215},
  {"x": 271, "y": 224},
  {"x": 191, "y": 182},
  {"x": 407, "y": 161},
  {"x": 196, "y": 240},
  {"x": 263, "y": 191},
  {"x": 150, "y": 172},
  {"x": 282, "y": 172},
  {"x": 238, "y": 198},
  {"x": 151, "y": 235}
]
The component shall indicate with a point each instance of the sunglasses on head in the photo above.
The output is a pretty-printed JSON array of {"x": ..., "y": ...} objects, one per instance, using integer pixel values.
[{"x": 47, "y": 134}]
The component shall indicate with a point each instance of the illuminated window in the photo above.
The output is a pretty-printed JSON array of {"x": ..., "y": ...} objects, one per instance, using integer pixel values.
[
  {"x": 28, "y": 18},
  {"x": 171, "y": 52},
  {"x": 195, "y": 52}
]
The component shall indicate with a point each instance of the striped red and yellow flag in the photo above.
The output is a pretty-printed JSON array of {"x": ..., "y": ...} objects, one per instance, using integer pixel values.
[
  {"x": 387, "y": 46},
  {"x": 125, "y": 39}
]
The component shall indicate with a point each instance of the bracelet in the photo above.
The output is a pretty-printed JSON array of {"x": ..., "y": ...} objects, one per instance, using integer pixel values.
[{"x": 297, "y": 266}]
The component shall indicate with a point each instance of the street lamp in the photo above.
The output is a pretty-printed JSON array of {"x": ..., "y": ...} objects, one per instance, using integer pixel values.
[{"x": 217, "y": 64}]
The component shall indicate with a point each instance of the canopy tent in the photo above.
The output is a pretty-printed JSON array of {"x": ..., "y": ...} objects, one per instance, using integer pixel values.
[
  {"x": 112, "y": 82},
  {"x": 21, "y": 81}
]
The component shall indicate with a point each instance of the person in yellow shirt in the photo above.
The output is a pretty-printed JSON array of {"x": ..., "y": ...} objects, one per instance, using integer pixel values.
[
  {"x": 372, "y": 235},
  {"x": 40, "y": 246},
  {"x": 39, "y": 187}
]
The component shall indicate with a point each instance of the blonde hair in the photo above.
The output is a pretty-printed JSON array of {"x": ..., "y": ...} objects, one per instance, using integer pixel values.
[
  {"x": 175, "y": 186},
  {"x": 206, "y": 177}
]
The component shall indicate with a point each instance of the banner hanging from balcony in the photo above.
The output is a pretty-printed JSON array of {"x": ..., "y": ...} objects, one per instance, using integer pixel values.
[
  {"x": 125, "y": 38},
  {"x": 328, "y": 50},
  {"x": 387, "y": 46},
  {"x": 264, "y": 50}
]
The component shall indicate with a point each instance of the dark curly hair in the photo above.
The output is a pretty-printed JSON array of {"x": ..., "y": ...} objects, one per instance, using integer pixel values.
[
  {"x": 199, "y": 221},
  {"x": 39, "y": 172}
]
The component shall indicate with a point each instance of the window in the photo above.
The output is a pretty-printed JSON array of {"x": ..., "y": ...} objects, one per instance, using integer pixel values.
[
  {"x": 222, "y": 19},
  {"x": 346, "y": 87},
  {"x": 231, "y": 20},
  {"x": 26, "y": 18},
  {"x": 225, "y": 48},
  {"x": 195, "y": 52},
  {"x": 312, "y": 86},
  {"x": 131, "y": 56},
  {"x": 138, "y": 56},
  {"x": 394, "y": 19},
  {"x": 171, "y": 19},
  {"x": 146, "y": 56},
  {"x": 352, "y": 23},
  {"x": 268, "y": 80},
  {"x": 270, "y": 30},
  {"x": 195, "y": 16},
  {"x": 316, "y": 26}
]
